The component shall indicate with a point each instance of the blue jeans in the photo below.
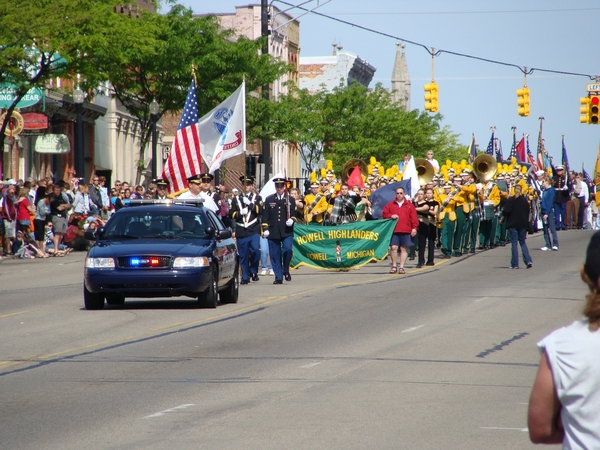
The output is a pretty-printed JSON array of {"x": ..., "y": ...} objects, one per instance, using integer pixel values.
[
  {"x": 550, "y": 229},
  {"x": 264, "y": 253},
  {"x": 518, "y": 234}
]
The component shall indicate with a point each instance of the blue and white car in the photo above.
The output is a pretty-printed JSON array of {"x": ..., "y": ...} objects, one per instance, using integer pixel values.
[{"x": 161, "y": 248}]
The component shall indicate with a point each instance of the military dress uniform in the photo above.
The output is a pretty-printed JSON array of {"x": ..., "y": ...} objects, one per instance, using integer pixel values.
[
  {"x": 278, "y": 228},
  {"x": 246, "y": 210}
]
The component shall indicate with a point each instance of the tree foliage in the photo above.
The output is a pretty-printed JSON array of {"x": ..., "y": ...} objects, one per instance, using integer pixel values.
[
  {"x": 354, "y": 122},
  {"x": 45, "y": 39},
  {"x": 164, "y": 71}
]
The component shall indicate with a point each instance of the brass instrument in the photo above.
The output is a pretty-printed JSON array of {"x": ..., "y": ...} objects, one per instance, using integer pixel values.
[
  {"x": 349, "y": 167},
  {"x": 425, "y": 171},
  {"x": 485, "y": 167}
]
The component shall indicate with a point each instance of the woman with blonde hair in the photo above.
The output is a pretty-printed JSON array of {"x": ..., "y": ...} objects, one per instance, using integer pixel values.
[{"x": 565, "y": 400}]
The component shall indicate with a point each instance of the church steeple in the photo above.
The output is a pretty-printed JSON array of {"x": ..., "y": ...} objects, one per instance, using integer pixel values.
[{"x": 401, "y": 78}]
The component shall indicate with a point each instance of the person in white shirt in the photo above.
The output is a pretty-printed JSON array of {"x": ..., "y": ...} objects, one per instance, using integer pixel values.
[
  {"x": 583, "y": 198},
  {"x": 564, "y": 406},
  {"x": 434, "y": 162},
  {"x": 199, "y": 187}
]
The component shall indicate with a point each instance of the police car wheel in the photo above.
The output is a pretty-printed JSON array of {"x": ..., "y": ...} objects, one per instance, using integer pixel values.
[
  {"x": 92, "y": 300},
  {"x": 210, "y": 297},
  {"x": 231, "y": 292}
]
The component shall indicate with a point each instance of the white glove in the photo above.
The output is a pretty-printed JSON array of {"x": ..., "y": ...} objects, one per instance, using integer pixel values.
[
  {"x": 247, "y": 201},
  {"x": 479, "y": 186},
  {"x": 244, "y": 211},
  {"x": 266, "y": 233},
  {"x": 289, "y": 222}
]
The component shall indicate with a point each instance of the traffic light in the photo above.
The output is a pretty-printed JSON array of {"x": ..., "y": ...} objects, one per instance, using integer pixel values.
[
  {"x": 584, "y": 109},
  {"x": 523, "y": 101},
  {"x": 431, "y": 97},
  {"x": 594, "y": 109}
]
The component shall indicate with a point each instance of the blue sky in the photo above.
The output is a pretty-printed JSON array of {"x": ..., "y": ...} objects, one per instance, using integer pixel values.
[{"x": 473, "y": 95}]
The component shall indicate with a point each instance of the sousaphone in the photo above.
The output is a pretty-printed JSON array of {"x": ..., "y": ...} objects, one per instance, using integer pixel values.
[
  {"x": 425, "y": 171},
  {"x": 349, "y": 167},
  {"x": 485, "y": 167}
]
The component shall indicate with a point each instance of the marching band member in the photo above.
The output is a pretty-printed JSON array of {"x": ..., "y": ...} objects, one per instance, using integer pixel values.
[
  {"x": 465, "y": 188},
  {"x": 246, "y": 210},
  {"x": 489, "y": 221},
  {"x": 448, "y": 216},
  {"x": 278, "y": 228},
  {"x": 343, "y": 207}
]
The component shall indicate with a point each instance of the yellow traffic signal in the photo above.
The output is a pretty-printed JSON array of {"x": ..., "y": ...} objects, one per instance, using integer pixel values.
[
  {"x": 584, "y": 109},
  {"x": 431, "y": 97},
  {"x": 594, "y": 109},
  {"x": 523, "y": 101}
]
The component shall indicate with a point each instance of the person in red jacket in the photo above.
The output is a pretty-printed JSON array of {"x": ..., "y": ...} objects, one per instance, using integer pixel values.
[{"x": 406, "y": 227}]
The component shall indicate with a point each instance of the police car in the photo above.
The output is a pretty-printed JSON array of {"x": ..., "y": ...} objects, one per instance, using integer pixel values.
[{"x": 161, "y": 248}]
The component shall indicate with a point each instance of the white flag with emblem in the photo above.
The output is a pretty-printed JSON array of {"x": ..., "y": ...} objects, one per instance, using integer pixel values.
[{"x": 223, "y": 130}]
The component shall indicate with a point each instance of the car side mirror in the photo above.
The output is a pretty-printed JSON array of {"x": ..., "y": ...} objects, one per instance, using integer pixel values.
[
  {"x": 224, "y": 234},
  {"x": 210, "y": 231}
]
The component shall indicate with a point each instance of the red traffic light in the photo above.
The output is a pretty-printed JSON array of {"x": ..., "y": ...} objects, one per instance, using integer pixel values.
[{"x": 595, "y": 100}]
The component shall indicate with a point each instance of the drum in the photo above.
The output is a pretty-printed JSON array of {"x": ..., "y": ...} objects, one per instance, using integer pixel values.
[{"x": 488, "y": 212}]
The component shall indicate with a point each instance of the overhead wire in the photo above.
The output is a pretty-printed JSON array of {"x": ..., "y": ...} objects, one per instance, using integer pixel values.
[{"x": 433, "y": 52}]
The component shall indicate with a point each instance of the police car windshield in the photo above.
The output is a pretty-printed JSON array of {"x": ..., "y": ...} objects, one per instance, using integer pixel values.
[{"x": 156, "y": 224}]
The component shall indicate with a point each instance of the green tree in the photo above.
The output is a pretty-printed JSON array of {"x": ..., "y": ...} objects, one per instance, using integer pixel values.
[
  {"x": 45, "y": 39},
  {"x": 354, "y": 122},
  {"x": 183, "y": 41}
]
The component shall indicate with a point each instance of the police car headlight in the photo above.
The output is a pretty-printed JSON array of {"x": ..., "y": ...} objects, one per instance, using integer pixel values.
[
  {"x": 100, "y": 263},
  {"x": 182, "y": 262}
]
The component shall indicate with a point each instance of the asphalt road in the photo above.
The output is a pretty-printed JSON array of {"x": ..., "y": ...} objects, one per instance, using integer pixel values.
[{"x": 439, "y": 358}]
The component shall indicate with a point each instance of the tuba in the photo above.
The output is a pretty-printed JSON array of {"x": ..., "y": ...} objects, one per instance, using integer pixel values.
[
  {"x": 425, "y": 171},
  {"x": 349, "y": 167},
  {"x": 485, "y": 167}
]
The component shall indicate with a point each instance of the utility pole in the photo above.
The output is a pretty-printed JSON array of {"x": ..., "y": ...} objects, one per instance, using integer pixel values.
[{"x": 264, "y": 32}]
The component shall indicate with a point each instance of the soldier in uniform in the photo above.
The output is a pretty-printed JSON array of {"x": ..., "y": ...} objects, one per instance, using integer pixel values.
[
  {"x": 199, "y": 187},
  {"x": 246, "y": 210},
  {"x": 561, "y": 187},
  {"x": 278, "y": 228},
  {"x": 161, "y": 189}
]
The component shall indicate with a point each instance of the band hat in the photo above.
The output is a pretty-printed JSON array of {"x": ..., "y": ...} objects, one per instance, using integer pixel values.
[
  {"x": 539, "y": 173},
  {"x": 447, "y": 184},
  {"x": 465, "y": 173},
  {"x": 314, "y": 185},
  {"x": 324, "y": 181},
  {"x": 161, "y": 183},
  {"x": 201, "y": 178},
  {"x": 247, "y": 179}
]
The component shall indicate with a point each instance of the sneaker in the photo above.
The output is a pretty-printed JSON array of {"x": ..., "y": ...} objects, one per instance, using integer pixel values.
[
  {"x": 263, "y": 272},
  {"x": 555, "y": 248},
  {"x": 271, "y": 272},
  {"x": 544, "y": 249},
  {"x": 511, "y": 267},
  {"x": 529, "y": 266}
]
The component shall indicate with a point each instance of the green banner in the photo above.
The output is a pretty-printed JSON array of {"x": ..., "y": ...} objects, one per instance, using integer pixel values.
[{"x": 341, "y": 247}]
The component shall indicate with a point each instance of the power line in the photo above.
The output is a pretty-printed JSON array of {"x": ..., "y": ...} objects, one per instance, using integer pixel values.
[
  {"x": 433, "y": 52},
  {"x": 461, "y": 12}
]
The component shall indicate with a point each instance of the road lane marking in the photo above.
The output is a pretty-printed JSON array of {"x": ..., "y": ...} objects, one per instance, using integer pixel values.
[
  {"x": 505, "y": 428},
  {"x": 408, "y": 330},
  {"x": 480, "y": 299},
  {"x": 309, "y": 365},
  {"x": 167, "y": 411},
  {"x": 259, "y": 303}
]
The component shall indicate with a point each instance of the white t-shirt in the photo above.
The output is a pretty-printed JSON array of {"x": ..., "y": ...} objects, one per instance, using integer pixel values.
[
  {"x": 208, "y": 201},
  {"x": 574, "y": 356}
]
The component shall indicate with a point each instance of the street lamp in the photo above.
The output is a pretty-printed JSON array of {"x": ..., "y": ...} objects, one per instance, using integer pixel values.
[
  {"x": 79, "y": 154},
  {"x": 154, "y": 109}
]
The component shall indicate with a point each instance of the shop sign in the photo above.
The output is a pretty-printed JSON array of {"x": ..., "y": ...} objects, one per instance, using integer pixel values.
[
  {"x": 52, "y": 143},
  {"x": 35, "y": 121},
  {"x": 8, "y": 94}
]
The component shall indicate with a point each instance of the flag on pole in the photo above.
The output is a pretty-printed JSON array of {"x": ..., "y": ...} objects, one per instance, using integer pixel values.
[
  {"x": 184, "y": 159},
  {"x": 530, "y": 158},
  {"x": 490, "y": 147},
  {"x": 410, "y": 173},
  {"x": 565, "y": 159},
  {"x": 586, "y": 176},
  {"x": 520, "y": 151},
  {"x": 499, "y": 155},
  {"x": 223, "y": 130},
  {"x": 513, "y": 150},
  {"x": 472, "y": 150},
  {"x": 541, "y": 151}
]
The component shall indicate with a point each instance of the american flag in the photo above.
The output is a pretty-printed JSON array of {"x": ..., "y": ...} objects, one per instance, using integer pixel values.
[
  {"x": 499, "y": 155},
  {"x": 513, "y": 150},
  {"x": 490, "y": 147},
  {"x": 586, "y": 176},
  {"x": 184, "y": 160}
]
